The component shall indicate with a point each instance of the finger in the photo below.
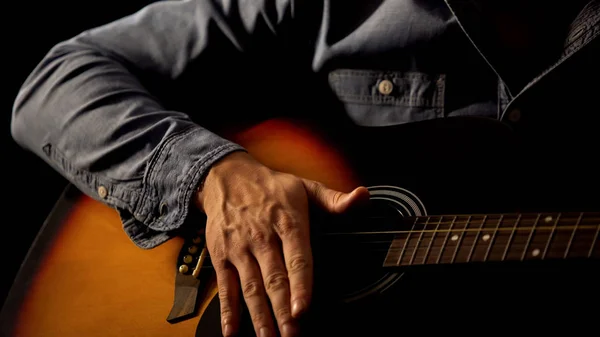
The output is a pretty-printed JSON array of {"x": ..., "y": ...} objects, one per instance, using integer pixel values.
[
  {"x": 254, "y": 294},
  {"x": 227, "y": 280},
  {"x": 335, "y": 201},
  {"x": 275, "y": 279},
  {"x": 298, "y": 261}
]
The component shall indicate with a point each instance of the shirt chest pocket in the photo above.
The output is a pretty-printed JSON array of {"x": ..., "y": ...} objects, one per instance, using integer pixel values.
[{"x": 380, "y": 98}]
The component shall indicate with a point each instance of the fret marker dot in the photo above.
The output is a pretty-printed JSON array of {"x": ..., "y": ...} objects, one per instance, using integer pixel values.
[
  {"x": 486, "y": 237},
  {"x": 535, "y": 252},
  {"x": 454, "y": 237},
  {"x": 548, "y": 219}
]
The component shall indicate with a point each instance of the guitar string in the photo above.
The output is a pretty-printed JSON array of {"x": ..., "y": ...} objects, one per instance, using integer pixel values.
[
  {"x": 466, "y": 231},
  {"x": 471, "y": 238},
  {"x": 565, "y": 227},
  {"x": 445, "y": 259},
  {"x": 480, "y": 244},
  {"x": 496, "y": 215},
  {"x": 505, "y": 220},
  {"x": 515, "y": 247}
]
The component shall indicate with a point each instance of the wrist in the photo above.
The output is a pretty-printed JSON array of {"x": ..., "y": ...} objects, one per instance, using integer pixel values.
[{"x": 220, "y": 168}]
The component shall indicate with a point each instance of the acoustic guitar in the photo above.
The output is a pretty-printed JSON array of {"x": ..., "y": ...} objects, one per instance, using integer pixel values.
[{"x": 444, "y": 194}]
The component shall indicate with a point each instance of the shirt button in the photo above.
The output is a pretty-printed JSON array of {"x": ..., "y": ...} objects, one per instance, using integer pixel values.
[
  {"x": 514, "y": 116},
  {"x": 102, "y": 192},
  {"x": 385, "y": 87}
]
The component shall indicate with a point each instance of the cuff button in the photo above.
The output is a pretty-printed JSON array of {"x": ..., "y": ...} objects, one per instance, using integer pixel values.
[{"x": 102, "y": 192}]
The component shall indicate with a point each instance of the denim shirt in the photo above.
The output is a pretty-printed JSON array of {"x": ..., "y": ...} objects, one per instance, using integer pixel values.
[{"x": 126, "y": 111}]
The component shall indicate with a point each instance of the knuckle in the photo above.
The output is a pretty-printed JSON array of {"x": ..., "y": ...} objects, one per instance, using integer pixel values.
[
  {"x": 282, "y": 314},
  {"x": 286, "y": 228},
  {"x": 224, "y": 294},
  {"x": 297, "y": 263},
  {"x": 226, "y": 312},
  {"x": 251, "y": 289},
  {"x": 335, "y": 197},
  {"x": 276, "y": 281},
  {"x": 319, "y": 189},
  {"x": 259, "y": 239},
  {"x": 219, "y": 263},
  {"x": 259, "y": 317}
]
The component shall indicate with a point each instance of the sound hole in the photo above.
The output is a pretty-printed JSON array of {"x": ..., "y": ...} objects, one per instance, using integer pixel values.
[{"x": 349, "y": 266}]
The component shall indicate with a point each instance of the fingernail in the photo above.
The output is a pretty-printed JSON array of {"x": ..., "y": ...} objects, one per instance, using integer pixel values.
[
  {"x": 297, "y": 307},
  {"x": 264, "y": 332},
  {"x": 228, "y": 330},
  {"x": 288, "y": 330}
]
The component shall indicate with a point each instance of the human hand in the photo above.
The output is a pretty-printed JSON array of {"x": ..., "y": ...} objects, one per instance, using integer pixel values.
[{"x": 257, "y": 234}]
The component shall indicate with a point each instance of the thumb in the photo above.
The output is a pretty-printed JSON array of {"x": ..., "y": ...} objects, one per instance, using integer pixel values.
[{"x": 335, "y": 201}]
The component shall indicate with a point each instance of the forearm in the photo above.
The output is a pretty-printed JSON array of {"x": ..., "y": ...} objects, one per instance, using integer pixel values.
[
  {"x": 95, "y": 107},
  {"x": 88, "y": 117},
  {"x": 87, "y": 111}
]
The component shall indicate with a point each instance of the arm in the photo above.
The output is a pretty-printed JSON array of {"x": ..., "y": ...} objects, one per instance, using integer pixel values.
[
  {"x": 88, "y": 109},
  {"x": 105, "y": 109}
]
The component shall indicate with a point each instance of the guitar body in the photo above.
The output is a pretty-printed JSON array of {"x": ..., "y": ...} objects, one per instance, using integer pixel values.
[{"x": 84, "y": 277}]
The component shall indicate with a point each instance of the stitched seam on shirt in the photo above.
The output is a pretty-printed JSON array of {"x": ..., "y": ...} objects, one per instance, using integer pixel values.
[
  {"x": 378, "y": 74},
  {"x": 406, "y": 101},
  {"x": 148, "y": 191}
]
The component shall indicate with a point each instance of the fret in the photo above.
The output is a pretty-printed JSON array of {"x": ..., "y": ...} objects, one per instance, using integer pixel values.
[
  {"x": 510, "y": 238},
  {"x": 446, "y": 239},
  {"x": 504, "y": 237},
  {"x": 541, "y": 237},
  {"x": 425, "y": 245},
  {"x": 501, "y": 237},
  {"x": 454, "y": 239},
  {"x": 461, "y": 237},
  {"x": 481, "y": 240},
  {"x": 556, "y": 241},
  {"x": 535, "y": 223},
  {"x": 394, "y": 248},
  {"x": 570, "y": 243},
  {"x": 513, "y": 246},
  {"x": 594, "y": 240},
  {"x": 476, "y": 240},
  {"x": 582, "y": 240},
  {"x": 433, "y": 236},
  {"x": 406, "y": 243},
  {"x": 493, "y": 239},
  {"x": 414, "y": 254}
]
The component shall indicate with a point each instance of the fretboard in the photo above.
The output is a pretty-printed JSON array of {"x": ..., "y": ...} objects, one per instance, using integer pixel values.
[{"x": 499, "y": 237}]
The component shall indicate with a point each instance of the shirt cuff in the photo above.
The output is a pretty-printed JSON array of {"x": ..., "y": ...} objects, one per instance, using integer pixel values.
[{"x": 171, "y": 180}]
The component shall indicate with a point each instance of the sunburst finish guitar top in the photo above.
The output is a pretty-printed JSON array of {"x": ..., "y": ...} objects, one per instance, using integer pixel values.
[{"x": 445, "y": 194}]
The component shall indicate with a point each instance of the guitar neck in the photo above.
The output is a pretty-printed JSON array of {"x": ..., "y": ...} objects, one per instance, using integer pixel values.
[{"x": 450, "y": 239}]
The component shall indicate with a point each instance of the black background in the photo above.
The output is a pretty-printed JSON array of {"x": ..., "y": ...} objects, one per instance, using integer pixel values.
[
  {"x": 30, "y": 29},
  {"x": 29, "y": 186}
]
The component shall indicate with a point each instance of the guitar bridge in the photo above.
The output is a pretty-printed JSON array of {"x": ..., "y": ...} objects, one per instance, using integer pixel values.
[{"x": 193, "y": 271}]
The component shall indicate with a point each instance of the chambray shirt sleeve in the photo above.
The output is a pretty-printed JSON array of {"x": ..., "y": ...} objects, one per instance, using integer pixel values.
[{"x": 86, "y": 112}]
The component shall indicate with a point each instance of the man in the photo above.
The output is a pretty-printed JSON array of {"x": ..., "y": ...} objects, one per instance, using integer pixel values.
[{"x": 125, "y": 111}]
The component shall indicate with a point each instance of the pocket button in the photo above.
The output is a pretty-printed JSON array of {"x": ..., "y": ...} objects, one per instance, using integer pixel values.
[{"x": 385, "y": 87}]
